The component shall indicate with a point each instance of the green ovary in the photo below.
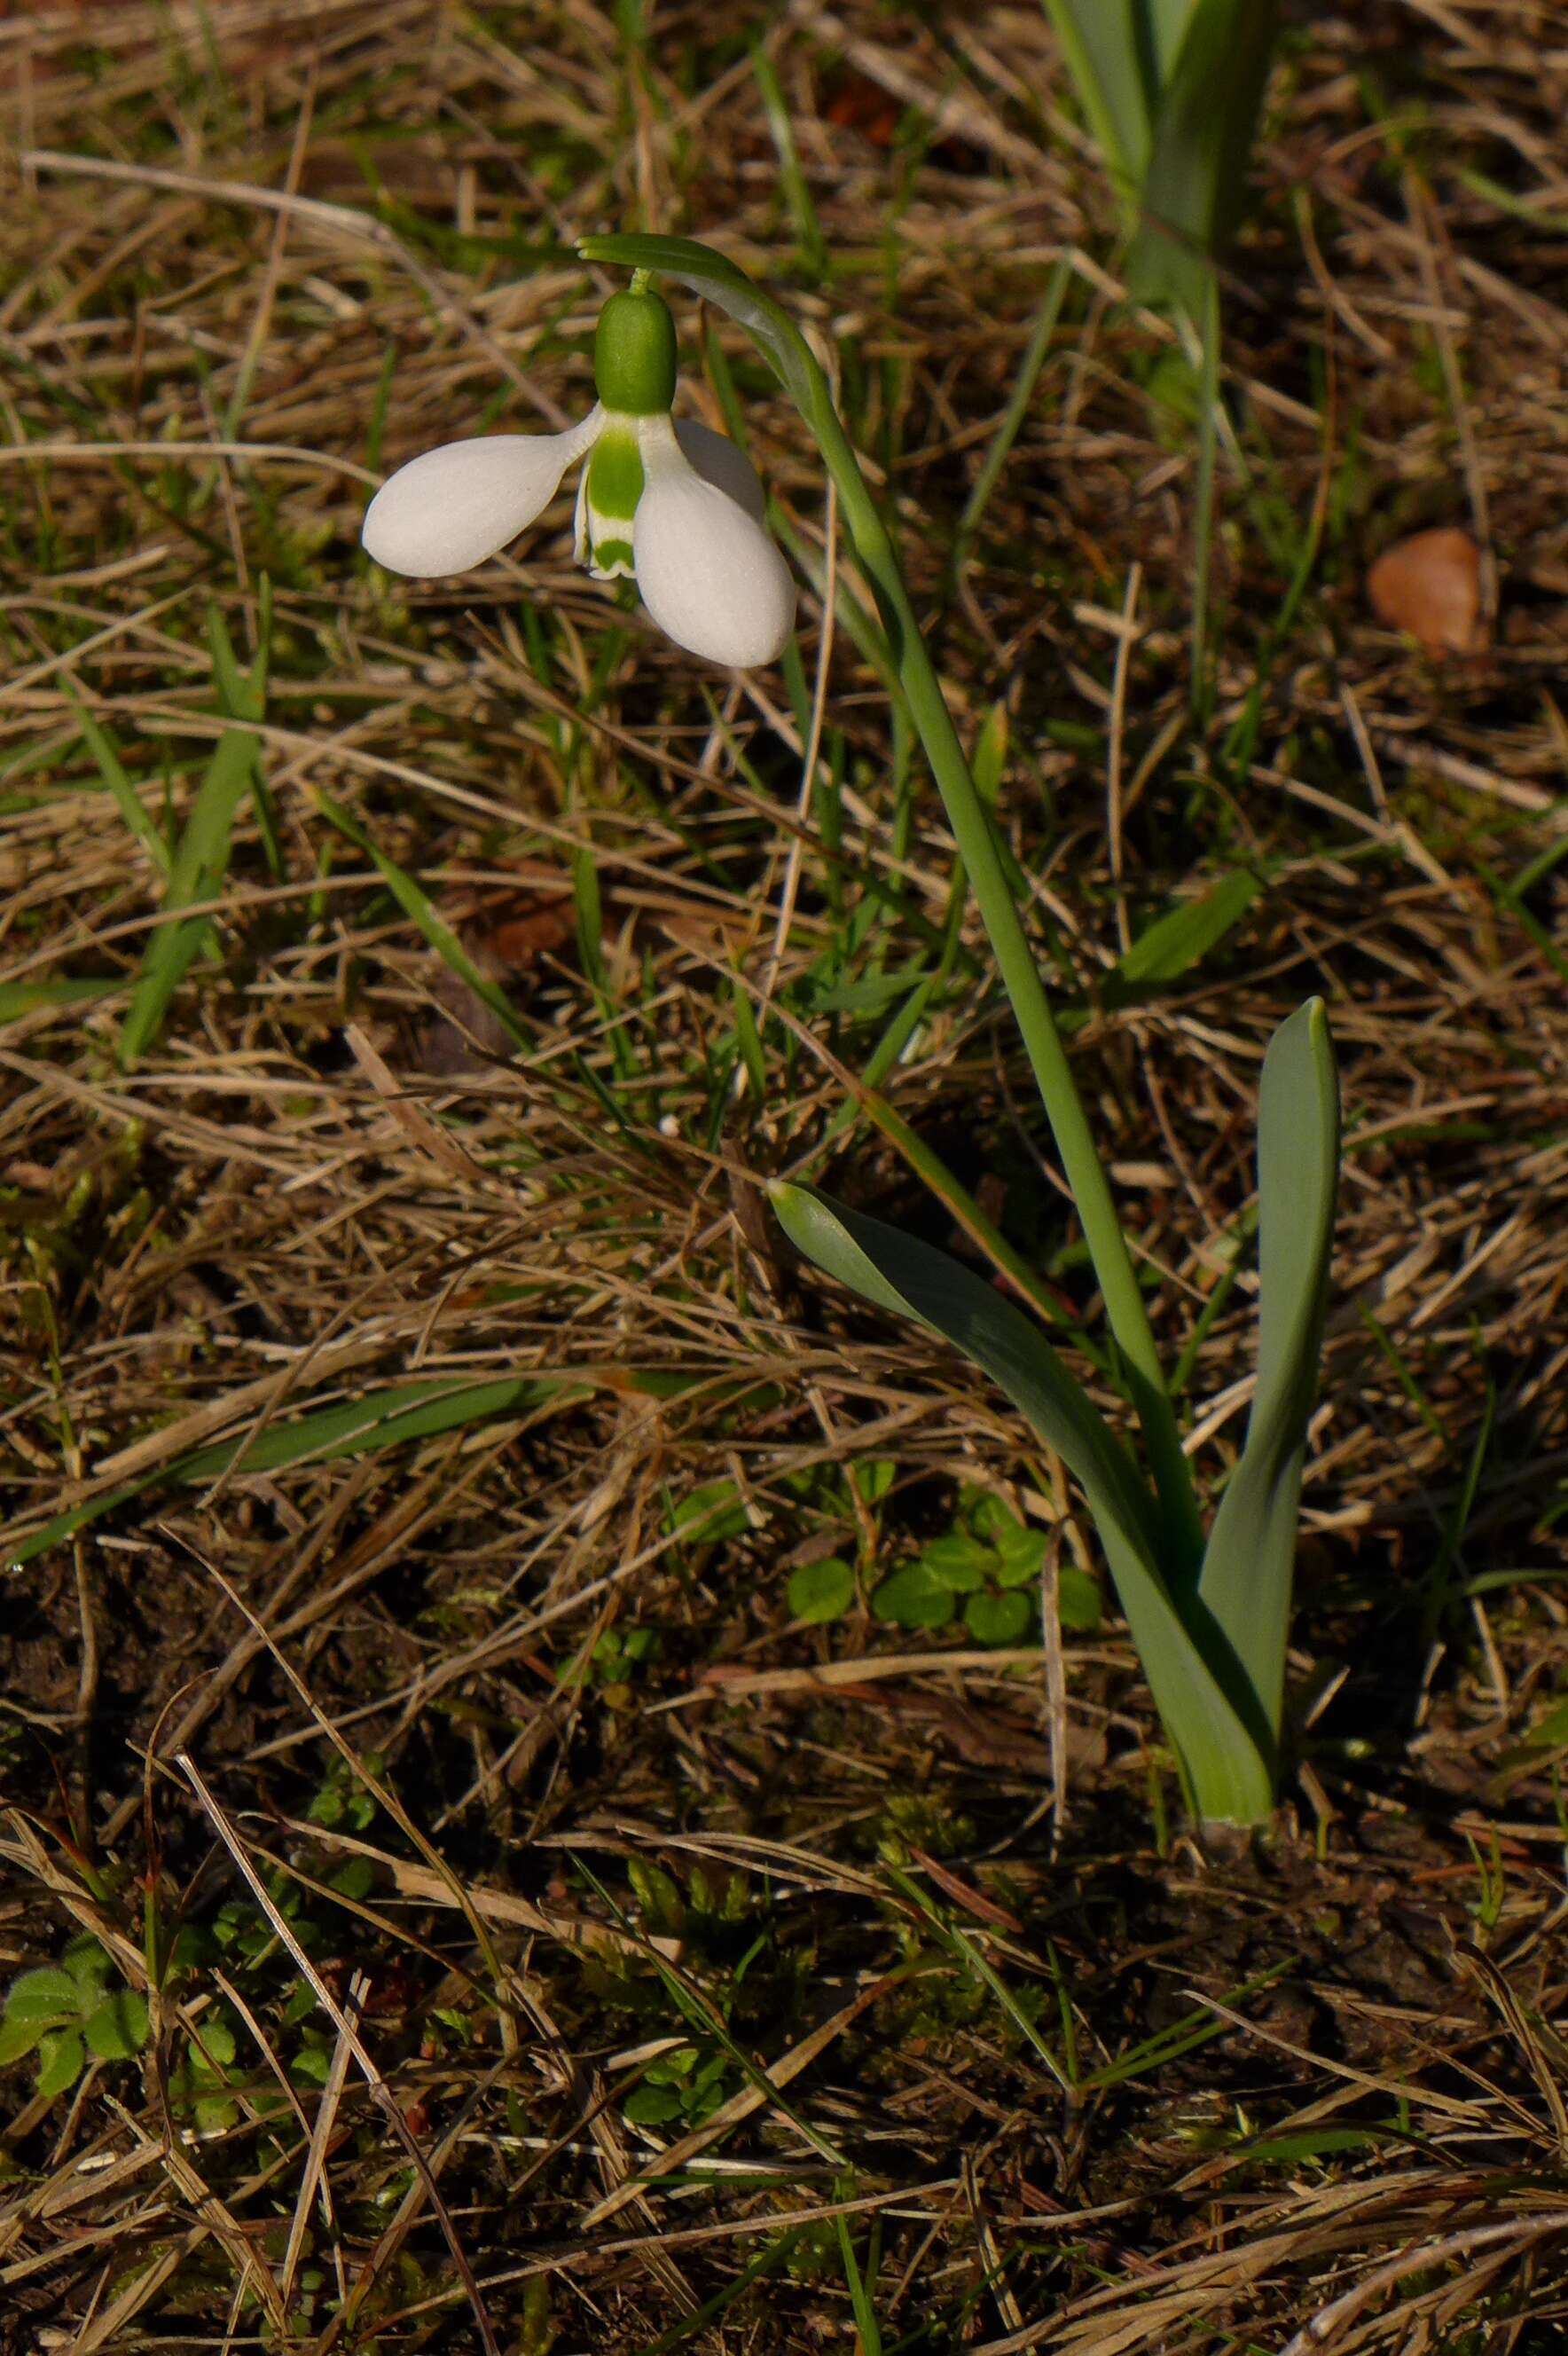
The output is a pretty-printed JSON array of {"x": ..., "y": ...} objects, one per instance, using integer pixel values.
[{"x": 634, "y": 353}]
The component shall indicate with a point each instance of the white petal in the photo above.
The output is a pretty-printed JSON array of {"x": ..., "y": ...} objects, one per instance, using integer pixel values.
[
  {"x": 708, "y": 573},
  {"x": 450, "y": 508},
  {"x": 722, "y": 463}
]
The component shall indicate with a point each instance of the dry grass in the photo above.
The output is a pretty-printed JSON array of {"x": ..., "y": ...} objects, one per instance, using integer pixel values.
[{"x": 995, "y": 2054}]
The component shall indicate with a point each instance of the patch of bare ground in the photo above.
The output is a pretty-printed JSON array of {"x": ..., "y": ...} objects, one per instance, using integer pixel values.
[{"x": 544, "y": 1939}]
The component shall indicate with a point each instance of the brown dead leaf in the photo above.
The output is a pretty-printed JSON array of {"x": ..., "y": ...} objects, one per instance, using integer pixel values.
[
  {"x": 519, "y": 940},
  {"x": 1429, "y": 586}
]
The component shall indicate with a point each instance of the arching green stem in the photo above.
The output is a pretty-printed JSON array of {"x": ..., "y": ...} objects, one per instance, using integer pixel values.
[{"x": 777, "y": 336}]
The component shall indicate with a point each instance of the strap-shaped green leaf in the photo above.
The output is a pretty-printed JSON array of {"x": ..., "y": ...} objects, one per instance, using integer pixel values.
[
  {"x": 1194, "y": 188},
  {"x": 1110, "y": 49},
  {"x": 1246, "y": 1574},
  {"x": 1224, "y": 1750}
]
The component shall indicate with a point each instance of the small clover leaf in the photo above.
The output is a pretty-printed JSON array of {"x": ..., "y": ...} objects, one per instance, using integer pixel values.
[
  {"x": 64, "y": 2012},
  {"x": 958, "y": 1562},
  {"x": 997, "y": 1619},
  {"x": 1019, "y": 1557},
  {"x": 1077, "y": 1601}
]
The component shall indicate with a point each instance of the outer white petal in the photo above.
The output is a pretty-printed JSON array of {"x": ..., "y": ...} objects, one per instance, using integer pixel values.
[
  {"x": 722, "y": 463},
  {"x": 708, "y": 573},
  {"x": 450, "y": 510}
]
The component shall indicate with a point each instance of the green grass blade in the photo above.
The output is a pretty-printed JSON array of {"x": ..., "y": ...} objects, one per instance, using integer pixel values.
[
  {"x": 1183, "y": 936},
  {"x": 417, "y": 904},
  {"x": 242, "y": 695},
  {"x": 1246, "y": 1574},
  {"x": 791, "y": 178},
  {"x": 111, "y": 769},
  {"x": 381, "y": 1419},
  {"x": 18, "y": 998},
  {"x": 1008, "y": 432},
  {"x": 1221, "y": 1741},
  {"x": 197, "y": 873}
]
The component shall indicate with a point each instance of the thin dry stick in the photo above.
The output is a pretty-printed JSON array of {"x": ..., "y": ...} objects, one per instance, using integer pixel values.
[
  {"x": 380, "y": 2093},
  {"x": 55, "y": 451},
  {"x": 314, "y": 2170}
]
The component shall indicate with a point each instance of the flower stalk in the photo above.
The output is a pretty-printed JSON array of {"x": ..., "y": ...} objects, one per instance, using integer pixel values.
[{"x": 1125, "y": 1312}]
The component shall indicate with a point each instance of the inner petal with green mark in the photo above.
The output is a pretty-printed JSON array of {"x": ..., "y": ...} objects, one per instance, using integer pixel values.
[{"x": 611, "y": 486}]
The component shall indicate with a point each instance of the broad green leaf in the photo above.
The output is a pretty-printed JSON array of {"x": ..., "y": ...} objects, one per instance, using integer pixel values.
[
  {"x": 872, "y": 1478},
  {"x": 1183, "y": 936},
  {"x": 46, "y": 1996},
  {"x": 311, "y": 2066},
  {"x": 710, "y": 1514},
  {"x": 1246, "y": 1574},
  {"x": 219, "y": 2042},
  {"x": 998, "y": 1619},
  {"x": 61, "y": 2061},
  {"x": 1209, "y": 1713},
  {"x": 988, "y": 1515},
  {"x": 821, "y": 1591},
  {"x": 118, "y": 2027},
  {"x": 89, "y": 1963},
  {"x": 1194, "y": 188},
  {"x": 650, "y": 2106}
]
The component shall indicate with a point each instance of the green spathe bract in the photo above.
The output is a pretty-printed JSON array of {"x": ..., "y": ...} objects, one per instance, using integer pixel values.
[{"x": 1208, "y": 1619}]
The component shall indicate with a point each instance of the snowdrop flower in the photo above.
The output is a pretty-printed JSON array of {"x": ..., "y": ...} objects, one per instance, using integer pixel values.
[{"x": 667, "y": 501}]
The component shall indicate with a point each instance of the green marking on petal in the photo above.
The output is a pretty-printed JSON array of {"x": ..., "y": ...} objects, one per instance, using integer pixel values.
[
  {"x": 614, "y": 477},
  {"x": 612, "y": 559}
]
